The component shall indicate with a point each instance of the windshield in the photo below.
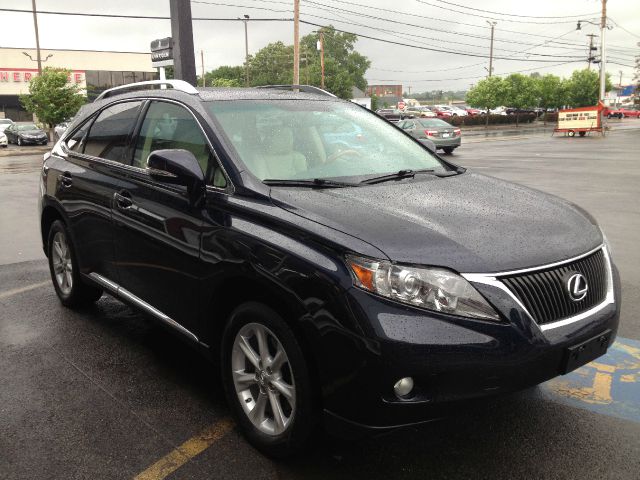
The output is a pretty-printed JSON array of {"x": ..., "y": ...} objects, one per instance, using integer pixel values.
[
  {"x": 29, "y": 126},
  {"x": 304, "y": 140}
]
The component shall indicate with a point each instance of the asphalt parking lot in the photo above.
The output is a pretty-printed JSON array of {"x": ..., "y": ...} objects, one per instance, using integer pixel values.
[{"x": 105, "y": 393}]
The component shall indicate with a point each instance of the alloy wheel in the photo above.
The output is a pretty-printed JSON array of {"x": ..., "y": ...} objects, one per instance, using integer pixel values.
[
  {"x": 62, "y": 264},
  {"x": 263, "y": 379}
]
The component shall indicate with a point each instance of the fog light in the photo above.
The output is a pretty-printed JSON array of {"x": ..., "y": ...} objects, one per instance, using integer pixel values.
[{"x": 403, "y": 386}]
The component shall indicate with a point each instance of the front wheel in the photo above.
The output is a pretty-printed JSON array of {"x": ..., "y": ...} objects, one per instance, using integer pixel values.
[
  {"x": 571, "y": 133},
  {"x": 19, "y": 142},
  {"x": 65, "y": 274},
  {"x": 582, "y": 134},
  {"x": 267, "y": 381}
]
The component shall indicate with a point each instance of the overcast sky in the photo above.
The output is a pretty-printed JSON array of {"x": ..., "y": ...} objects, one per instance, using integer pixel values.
[{"x": 449, "y": 26}]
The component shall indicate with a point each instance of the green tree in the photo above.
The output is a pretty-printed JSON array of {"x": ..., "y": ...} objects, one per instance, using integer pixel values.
[
  {"x": 272, "y": 65},
  {"x": 52, "y": 98},
  {"x": 487, "y": 93},
  {"x": 521, "y": 91},
  {"x": 375, "y": 102},
  {"x": 344, "y": 66},
  {"x": 583, "y": 88},
  {"x": 552, "y": 91},
  {"x": 225, "y": 76}
]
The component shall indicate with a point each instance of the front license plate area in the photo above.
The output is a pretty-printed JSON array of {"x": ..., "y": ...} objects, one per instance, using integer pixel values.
[{"x": 584, "y": 352}]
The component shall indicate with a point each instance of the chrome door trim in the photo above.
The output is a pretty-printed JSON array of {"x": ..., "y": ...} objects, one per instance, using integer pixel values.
[{"x": 124, "y": 294}]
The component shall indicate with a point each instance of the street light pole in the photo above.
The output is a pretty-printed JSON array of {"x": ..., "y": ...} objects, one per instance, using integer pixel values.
[
  {"x": 296, "y": 42},
  {"x": 321, "y": 48},
  {"x": 603, "y": 51},
  {"x": 246, "y": 51},
  {"x": 493, "y": 26},
  {"x": 35, "y": 24}
]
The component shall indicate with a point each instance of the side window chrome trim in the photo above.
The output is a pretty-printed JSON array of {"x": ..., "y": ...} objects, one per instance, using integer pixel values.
[{"x": 228, "y": 190}]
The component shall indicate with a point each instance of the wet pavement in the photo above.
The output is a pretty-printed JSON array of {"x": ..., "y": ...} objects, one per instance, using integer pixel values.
[{"x": 106, "y": 393}]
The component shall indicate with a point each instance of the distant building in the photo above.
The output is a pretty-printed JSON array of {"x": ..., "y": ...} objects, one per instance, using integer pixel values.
[
  {"x": 358, "y": 96},
  {"x": 93, "y": 71},
  {"x": 384, "y": 90}
]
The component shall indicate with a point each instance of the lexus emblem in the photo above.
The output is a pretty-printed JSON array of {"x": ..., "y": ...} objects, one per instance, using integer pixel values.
[{"x": 577, "y": 287}]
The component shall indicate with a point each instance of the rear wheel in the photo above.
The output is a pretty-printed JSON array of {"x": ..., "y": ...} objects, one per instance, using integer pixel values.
[
  {"x": 448, "y": 150},
  {"x": 582, "y": 134},
  {"x": 267, "y": 381},
  {"x": 70, "y": 288},
  {"x": 571, "y": 133}
]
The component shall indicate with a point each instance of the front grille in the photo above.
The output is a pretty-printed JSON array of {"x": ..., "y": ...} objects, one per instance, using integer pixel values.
[{"x": 544, "y": 294}]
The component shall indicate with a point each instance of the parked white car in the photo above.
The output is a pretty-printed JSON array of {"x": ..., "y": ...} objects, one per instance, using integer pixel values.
[
  {"x": 455, "y": 111},
  {"x": 3, "y": 140},
  {"x": 4, "y": 123},
  {"x": 502, "y": 110}
]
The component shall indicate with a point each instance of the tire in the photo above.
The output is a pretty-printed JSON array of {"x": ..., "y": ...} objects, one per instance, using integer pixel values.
[
  {"x": 582, "y": 134},
  {"x": 19, "y": 142},
  {"x": 571, "y": 133},
  {"x": 257, "y": 385},
  {"x": 609, "y": 116},
  {"x": 448, "y": 150},
  {"x": 63, "y": 266}
]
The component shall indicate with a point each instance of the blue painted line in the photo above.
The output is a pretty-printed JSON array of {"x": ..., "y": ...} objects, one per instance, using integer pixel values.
[{"x": 609, "y": 385}]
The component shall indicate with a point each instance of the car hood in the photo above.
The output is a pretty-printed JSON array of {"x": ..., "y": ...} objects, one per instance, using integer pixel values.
[
  {"x": 469, "y": 222},
  {"x": 31, "y": 132}
]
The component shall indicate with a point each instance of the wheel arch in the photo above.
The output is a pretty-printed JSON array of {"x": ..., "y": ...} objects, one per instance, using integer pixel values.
[
  {"x": 242, "y": 289},
  {"x": 50, "y": 213}
]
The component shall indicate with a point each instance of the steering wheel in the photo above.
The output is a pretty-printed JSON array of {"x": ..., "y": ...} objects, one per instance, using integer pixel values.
[{"x": 334, "y": 156}]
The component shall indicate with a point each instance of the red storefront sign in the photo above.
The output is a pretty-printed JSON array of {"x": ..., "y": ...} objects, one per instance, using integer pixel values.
[{"x": 25, "y": 75}]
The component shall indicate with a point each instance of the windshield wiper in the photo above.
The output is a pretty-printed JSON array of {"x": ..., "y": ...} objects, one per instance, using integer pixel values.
[
  {"x": 394, "y": 176},
  {"x": 315, "y": 183}
]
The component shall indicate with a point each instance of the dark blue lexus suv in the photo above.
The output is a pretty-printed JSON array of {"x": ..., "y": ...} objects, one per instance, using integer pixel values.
[{"x": 338, "y": 271}]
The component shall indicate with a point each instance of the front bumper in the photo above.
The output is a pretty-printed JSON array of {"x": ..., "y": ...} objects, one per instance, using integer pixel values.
[
  {"x": 450, "y": 359},
  {"x": 34, "y": 141}
]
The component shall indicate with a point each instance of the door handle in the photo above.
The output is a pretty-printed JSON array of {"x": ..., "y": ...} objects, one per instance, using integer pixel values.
[
  {"x": 66, "y": 180},
  {"x": 123, "y": 200}
]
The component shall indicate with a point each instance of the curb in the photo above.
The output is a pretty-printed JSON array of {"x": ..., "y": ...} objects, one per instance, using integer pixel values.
[{"x": 15, "y": 152}]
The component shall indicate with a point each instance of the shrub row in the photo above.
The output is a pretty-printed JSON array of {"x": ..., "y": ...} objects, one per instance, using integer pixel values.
[
  {"x": 493, "y": 119},
  {"x": 550, "y": 117}
]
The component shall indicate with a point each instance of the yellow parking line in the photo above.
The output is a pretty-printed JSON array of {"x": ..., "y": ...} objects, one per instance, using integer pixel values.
[
  {"x": 185, "y": 452},
  {"x": 16, "y": 291}
]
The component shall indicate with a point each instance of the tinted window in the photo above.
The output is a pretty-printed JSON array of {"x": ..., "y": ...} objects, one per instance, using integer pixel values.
[
  {"x": 170, "y": 126},
  {"x": 75, "y": 142},
  {"x": 109, "y": 134}
]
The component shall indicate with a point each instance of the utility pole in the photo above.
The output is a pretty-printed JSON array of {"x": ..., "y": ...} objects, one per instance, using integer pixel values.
[
  {"x": 409, "y": 87},
  {"x": 493, "y": 26},
  {"x": 182, "y": 35},
  {"x": 246, "y": 51},
  {"x": 35, "y": 24},
  {"x": 321, "y": 48},
  {"x": 296, "y": 42},
  {"x": 590, "y": 57},
  {"x": 603, "y": 51},
  {"x": 620, "y": 82},
  {"x": 202, "y": 62}
]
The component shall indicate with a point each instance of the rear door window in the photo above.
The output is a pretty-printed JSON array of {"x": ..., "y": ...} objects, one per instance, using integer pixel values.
[{"x": 110, "y": 133}]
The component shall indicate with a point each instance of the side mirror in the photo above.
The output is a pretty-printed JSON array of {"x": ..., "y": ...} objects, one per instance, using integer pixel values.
[
  {"x": 428, "y": 144},
  {"x": 178, "y": 167}
]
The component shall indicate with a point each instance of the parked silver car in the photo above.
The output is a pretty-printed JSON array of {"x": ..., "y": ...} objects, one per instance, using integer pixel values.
[{"x": 446, "y": 137}]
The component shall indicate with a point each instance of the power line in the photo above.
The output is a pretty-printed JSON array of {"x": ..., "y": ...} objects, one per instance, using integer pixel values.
[
  {"x": 454, "y": 52},
  {"x": 403, "y": 36},
  {"x": 516, "y": 15},
  {"x": 622, "y": 28},
  {"x": 493, "y": 17},
  {"x": 332, "y": 8}
]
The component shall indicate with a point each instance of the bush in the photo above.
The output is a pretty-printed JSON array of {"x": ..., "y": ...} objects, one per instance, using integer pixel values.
[
  {"x": 550, "y": 117},
  {"x": 493, "y": 119}
]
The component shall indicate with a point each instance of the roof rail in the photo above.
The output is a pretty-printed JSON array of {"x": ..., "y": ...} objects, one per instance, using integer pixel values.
[
  {"x": 174, "y": 84},
  {"x": 302, "y": 88}
]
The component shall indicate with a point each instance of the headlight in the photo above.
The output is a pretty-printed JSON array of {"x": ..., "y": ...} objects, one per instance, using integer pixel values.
[{"x": 434, "y": 289}]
